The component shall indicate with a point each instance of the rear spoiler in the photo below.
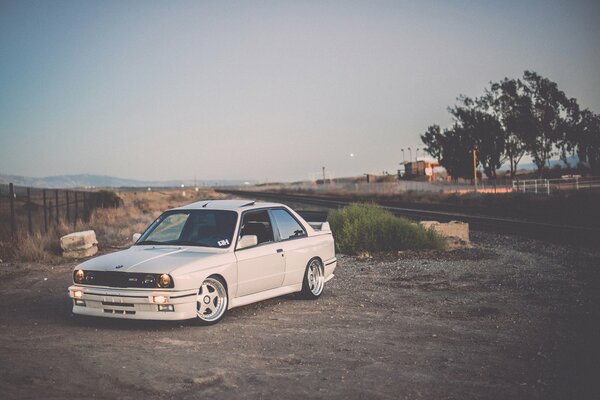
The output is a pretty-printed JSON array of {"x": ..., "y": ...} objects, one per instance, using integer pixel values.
[{"x": 320, "y": 226}]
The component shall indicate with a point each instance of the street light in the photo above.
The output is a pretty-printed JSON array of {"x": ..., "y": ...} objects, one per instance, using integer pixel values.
[
  {"x": 403, "y": 160},
  {"x": 410, "y": 154},
  {"x": 417, "y": 154}
]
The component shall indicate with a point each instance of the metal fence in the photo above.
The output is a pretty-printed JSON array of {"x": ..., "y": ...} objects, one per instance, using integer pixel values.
[
  {"x": 28, "y": 210},
  {"x": 548, "y": 186}
]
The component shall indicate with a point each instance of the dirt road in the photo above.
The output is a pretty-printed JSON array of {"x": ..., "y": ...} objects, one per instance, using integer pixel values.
[{"x": 506, "y": 320}]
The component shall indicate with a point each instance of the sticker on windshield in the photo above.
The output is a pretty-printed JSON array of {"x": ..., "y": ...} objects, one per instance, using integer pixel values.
[{"x": 222, "y": 243}]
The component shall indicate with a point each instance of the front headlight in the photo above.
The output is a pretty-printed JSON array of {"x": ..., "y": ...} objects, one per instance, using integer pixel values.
[
  {"x": 79, "y": 276},
  {"x": 164, "y": 281}
]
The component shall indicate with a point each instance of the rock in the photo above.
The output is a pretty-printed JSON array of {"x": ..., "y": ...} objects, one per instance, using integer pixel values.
[
  {"x": 81, "y": 253},
  {"x": 78, "y": 241},
  {"x": 455, "y": 232}
]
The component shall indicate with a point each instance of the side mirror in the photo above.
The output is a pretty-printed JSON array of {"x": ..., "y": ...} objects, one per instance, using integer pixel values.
[
  {"x": 247, "y": 241},
  {"x": 136, "y": 237}
]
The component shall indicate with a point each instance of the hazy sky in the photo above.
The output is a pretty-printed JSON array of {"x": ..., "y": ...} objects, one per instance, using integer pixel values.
[{"x": 263, "y": 90}]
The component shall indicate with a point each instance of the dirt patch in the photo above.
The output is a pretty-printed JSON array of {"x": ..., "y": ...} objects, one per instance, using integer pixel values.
[{"x": 507, "y": 319}]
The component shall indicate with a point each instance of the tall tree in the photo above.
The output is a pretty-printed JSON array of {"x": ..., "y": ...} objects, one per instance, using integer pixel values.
[
  {"x": 452, "y": 147},
  {"x": 583, "y": 137},
  {"x": 548, "y": 108},
  {"x": 511, "y": 107},
  {"x": 483, "y": 130}
]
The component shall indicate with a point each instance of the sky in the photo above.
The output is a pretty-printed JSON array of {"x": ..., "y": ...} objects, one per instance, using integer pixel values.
[{"x": 268, "y": 91}]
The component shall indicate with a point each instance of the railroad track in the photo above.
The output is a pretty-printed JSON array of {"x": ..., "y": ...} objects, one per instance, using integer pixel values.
[{"x": 579, "y": 235}]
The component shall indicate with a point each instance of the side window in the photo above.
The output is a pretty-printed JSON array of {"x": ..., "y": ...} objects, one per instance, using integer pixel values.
[
  {"x": 258, "y": 223},
  {"x": 288, "y": 227}
]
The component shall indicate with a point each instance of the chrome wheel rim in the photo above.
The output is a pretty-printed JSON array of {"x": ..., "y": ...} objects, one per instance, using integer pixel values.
[
  {"x": 212, "y": 300},
  {"x": 315, "y": 278}
]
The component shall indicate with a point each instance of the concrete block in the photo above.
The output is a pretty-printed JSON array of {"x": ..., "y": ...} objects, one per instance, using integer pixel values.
[
  {"x": 78, "y": 241},
  {"x": 81, "y": 253},
  {"x": 453, "y": 229}
]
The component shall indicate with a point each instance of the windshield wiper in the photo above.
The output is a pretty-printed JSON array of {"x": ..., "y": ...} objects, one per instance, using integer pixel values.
[
  {"x": 190, "y": 243},
  {"x": 149, "y": 242}
]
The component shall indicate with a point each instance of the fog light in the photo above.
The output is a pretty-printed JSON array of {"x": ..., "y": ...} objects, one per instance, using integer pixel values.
[
  {"x": 166, "y": 307},
  {"x": 78, "y": 294},
  {"x": 80, "y": 303},
  {"x": 159, "y": 299}
]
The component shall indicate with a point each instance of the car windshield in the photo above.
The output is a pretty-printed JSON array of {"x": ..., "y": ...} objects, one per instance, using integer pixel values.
[{"x": 207, "y": 228}]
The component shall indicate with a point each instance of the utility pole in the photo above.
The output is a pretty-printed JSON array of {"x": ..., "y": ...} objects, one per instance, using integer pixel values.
[
  {"x": 323, "y": 175},
  {"x": 475, "y": 167}
]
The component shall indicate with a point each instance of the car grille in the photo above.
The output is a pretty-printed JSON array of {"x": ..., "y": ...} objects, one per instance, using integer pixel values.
[{"x": 116, "y": 279}]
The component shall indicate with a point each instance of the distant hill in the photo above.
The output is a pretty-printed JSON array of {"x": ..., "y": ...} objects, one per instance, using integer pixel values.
[{"x": 85, "y": 180}]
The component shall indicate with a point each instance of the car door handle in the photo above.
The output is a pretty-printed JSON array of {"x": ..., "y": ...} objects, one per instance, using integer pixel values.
[{"x": 280, "y": 250}]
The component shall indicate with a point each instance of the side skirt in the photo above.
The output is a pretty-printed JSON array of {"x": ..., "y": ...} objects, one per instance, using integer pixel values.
[{"x": 267, "y": 294}]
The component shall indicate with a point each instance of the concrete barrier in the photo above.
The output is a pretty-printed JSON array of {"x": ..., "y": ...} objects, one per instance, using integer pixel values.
[
  {"x": 79, "y": 244},
  {"x": 455, "y": 232}
]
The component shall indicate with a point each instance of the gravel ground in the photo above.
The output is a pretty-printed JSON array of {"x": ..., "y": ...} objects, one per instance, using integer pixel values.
[{"x": 507, "y": 319}]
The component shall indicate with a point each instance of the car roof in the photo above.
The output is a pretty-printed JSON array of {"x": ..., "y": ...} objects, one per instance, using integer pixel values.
[{"x": 233, "y": 205}]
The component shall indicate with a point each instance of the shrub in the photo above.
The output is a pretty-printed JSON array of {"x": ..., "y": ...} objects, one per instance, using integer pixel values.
[{"x": 360, "y": 228}]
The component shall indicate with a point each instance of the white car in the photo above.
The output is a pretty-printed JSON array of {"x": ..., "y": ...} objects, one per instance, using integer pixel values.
[{"x": 202, "y": 259}]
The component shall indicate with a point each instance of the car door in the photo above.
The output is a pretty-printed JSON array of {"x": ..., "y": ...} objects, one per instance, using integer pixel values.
[
  {"x": 294, "y": 242},
  {"x": 261, "y": 267}
]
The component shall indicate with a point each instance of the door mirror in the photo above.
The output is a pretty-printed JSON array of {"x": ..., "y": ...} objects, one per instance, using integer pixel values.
[
  {"x": 136, "y": 237},
  {"x": 247, "y": 241}
]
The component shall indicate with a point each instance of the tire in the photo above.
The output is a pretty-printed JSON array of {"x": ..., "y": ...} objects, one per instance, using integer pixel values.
[
  {"x": 212, "y": 301},
  {"x": 314, "y": 280}
]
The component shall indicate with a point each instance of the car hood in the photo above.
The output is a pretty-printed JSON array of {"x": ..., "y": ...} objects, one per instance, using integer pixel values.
[{"x": 155, "y": 259}]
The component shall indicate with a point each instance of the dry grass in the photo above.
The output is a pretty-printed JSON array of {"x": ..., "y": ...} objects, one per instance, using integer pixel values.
[{"x": 114, "y": 227}]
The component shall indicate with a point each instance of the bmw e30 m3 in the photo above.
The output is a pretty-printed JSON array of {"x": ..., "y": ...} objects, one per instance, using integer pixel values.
[{"x": 200, "y": 260}]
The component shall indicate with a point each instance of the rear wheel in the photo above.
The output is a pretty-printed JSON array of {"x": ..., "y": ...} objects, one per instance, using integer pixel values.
[
  {"x": 314, "y": 280},
  {"x": 212, "y": 301}
]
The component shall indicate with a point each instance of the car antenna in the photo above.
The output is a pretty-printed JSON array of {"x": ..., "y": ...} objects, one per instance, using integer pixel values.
[
  {"x": 205, "y": 204},
  {"x": 249, "y": 204}
]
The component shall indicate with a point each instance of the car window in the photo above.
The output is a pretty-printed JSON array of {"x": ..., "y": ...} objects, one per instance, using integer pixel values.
[
  {"x": 288, "y": 227},
  {"x": 258, "y": 223}
]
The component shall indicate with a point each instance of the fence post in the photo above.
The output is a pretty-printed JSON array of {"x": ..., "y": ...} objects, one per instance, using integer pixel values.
[
  {"x": 76, "y": 211},
  {"x": 29, "y": 224},
  {"x": 13, "y": 223},
  {"x": 45, "y": 211},
  {"x": 67, "y": 200},
  {"x": 56, "y": 198},
  {"x": 85, "y": 211},
  {"x": 548, "y": 186}
]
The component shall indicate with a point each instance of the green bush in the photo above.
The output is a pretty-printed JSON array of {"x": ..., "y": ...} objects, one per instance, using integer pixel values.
[{"x": 360, "y": 228}]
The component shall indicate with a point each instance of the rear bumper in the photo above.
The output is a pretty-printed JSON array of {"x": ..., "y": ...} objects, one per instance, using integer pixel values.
[
  {"x": 329, "y": 268},
  {"x": 132, "y": 303}
]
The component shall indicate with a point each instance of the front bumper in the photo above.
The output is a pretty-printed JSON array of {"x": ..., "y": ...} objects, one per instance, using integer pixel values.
[{"x": 132, "y": 303}]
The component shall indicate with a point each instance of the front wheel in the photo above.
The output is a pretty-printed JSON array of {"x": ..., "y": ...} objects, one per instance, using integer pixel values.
[
  {"x": 314, "y": 280},
  {"x": 212, "y": 301}
]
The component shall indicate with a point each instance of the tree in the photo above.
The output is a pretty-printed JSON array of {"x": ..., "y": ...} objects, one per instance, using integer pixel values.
[
  {"x": 483, "y": 130},
  {"x": 452, "y": 147},
  {"x": 583, "y": 137},
  {"x": 548, "y": 110},
  {"x": 511, "y": 107}
]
